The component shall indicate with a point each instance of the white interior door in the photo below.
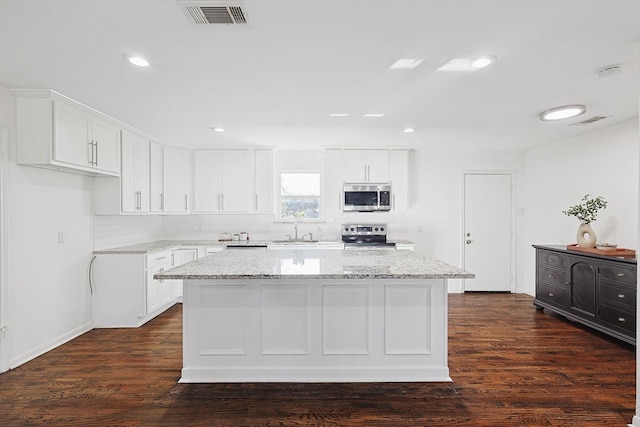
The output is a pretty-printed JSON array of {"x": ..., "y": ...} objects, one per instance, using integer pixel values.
[{"x": 488, "y": 232}]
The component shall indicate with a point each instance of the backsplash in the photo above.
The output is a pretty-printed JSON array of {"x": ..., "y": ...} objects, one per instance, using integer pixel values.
[
  {"x": 122, "y": 230},
  {"x": 112, "y": 231}
]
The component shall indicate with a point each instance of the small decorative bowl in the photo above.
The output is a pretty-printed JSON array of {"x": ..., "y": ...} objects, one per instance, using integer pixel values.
[{"x": 606, "y": 247}]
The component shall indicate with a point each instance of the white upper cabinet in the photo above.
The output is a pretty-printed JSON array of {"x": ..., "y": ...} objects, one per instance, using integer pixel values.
[
  {"x": 366, "y": 166},
  {"x": 399, "y": 180},
  {"x": 155, "y": 178},
  {"x": 221, "y": 181},
  {"x": 129, "y": 193},
  {"x": 360, "y": 166},
  {"x": 57, "y": 132},
  {"x": 175, "y": 166},
  {"x": 333, "y": 182},
  {"x": 263, "y": 181},
  {"x": 135, "y": 173}
]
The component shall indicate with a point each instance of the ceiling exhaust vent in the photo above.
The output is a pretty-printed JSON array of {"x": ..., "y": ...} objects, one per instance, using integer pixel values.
[
  {"x": 589, "y": 121},
  {"x": 203, "y": 12}
]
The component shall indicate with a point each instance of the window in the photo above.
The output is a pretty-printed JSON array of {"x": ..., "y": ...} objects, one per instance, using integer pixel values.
[{"x": 299, "y": 196}]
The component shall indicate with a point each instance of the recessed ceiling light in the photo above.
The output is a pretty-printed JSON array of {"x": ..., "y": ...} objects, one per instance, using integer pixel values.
[
  {"x": 374, "y": 115},
  {"x": 465, "y": 64},
  {"x": 137, "y": 61},
  {"x": 409, "y": 130},
  {"x": 482, "y": 61},
  {"x": 218, "y": 129},
  {"x": 564, "y": 112},
  {"x": 405, "y": 64},
  {"x": 338, "y": 115}
]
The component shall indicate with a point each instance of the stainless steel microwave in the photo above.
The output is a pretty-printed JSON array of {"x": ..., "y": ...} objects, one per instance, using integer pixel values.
[{"x": 367, "y": 197}]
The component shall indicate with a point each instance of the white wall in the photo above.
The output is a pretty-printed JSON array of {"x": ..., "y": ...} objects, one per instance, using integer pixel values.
[
  {"x": 434, "y": 219},
  {"x": 602, "y": 163},
  {"x": 48, "y": 292}
]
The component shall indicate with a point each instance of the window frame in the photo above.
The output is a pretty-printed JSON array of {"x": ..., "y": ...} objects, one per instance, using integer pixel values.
[{"x": 279, "y": 198}]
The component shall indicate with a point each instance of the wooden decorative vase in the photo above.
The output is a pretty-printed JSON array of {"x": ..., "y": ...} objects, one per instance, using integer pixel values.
[{"x": 586, "y": 237}]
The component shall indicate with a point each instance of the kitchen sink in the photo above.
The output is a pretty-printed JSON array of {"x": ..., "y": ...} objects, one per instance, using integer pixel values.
[{"x": 294, "y": 241}]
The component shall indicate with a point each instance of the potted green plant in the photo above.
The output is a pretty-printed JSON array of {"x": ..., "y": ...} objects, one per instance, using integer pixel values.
[{"x": 586, "y": 212}]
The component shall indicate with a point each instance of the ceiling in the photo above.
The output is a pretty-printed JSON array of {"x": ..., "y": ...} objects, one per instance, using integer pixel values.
[{"x": 275, "y": 80}]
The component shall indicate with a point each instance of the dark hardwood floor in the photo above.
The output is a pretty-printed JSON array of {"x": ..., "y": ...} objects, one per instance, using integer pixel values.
[{"x": 511, "y": 366}]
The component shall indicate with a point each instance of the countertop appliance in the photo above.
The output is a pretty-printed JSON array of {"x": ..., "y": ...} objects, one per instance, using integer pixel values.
[
  {"x": 362, "y": 236},
  {"x": 367, "y": 197}
]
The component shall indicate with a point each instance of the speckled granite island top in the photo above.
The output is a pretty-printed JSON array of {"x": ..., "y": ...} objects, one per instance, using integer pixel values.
[{"x": 315, "y": 264}]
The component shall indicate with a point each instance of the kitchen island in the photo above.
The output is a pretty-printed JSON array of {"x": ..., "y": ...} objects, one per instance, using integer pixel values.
[{"x": 314, "y": 316}]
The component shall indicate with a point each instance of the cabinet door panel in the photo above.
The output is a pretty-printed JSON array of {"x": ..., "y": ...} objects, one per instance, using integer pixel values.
[
  {"x": 355, "y": 165},
  {"x": 378, "y": 166},
  {"x": 399, "y": 178},
  {"x": 72, "y": 138},
  {"x": 142, "y": 173},
  {"x": 107, "y": 139},
  {"x": 583, "y": 278},
  {"x": 234, "y": 179},
  {"x": 206, "y": 182},
  {"x": 263, "y": 198},
  {"x": 129, "y": 200},
  {"x": 333, "y": 182},
  {"x": 175, "y": 168},
  {"x": 155, "y": 177}
]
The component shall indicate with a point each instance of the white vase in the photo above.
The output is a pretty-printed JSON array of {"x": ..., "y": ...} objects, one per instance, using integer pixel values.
[{"x": 586, "y": 237}]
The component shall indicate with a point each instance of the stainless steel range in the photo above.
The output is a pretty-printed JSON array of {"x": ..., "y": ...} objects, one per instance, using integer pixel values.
[{"x": 361, "y": 236}]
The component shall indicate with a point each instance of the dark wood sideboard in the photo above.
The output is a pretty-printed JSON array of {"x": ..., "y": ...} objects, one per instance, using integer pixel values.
[{"x": 598, "y": 291}]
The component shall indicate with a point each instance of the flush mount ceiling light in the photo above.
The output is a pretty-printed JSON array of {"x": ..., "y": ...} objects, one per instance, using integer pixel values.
[
  {"x": 482, "y": 61},
  {"x": 138, "y": 61},
  {"x": 338, "y": 115},
  {"x": 217, "y": 129},
  {"x": 374, "y": 115},
  {"x": 564, "y": 112},
  {"x": 409, "y": 130},
  {"x": 405, "y": 64}
]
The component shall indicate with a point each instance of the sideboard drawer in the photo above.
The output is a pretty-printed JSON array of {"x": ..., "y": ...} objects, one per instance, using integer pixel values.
[
  {"x": 621, "y": 319},
  {"x": 618, "y": 274},
  {"x": 556, "y": 295},
  {"x": 552, "y": 259},
  {"x": 551, "y": 275},
  {"x": 618, "y": 294}
]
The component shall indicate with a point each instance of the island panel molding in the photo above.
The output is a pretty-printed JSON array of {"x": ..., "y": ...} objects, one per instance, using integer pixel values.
[{"x": 283, "y": 319}]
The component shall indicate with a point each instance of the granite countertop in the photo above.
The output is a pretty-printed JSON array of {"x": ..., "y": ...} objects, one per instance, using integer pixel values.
[
  {"x": 164, "y": 245},
  {"x": 315, "y": 264}
]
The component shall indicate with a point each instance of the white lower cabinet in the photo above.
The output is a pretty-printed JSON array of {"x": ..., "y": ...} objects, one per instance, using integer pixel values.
[
  {"x": 124, "y": 292},
  {"x": 179, "y": 257}
]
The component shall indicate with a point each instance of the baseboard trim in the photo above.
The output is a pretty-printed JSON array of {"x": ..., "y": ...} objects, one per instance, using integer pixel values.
[{"x": 40, "y": 350}]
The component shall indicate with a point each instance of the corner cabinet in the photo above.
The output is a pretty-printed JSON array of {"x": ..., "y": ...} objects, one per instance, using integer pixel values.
[
  {"x": 595, "y": 290},
  {"x": 56, "y": 132}
]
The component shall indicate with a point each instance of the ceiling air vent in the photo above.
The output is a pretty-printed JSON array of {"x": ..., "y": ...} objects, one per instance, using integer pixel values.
[
  {"x": 214, "y": 12},
  {"x": 589, "y": 121}
]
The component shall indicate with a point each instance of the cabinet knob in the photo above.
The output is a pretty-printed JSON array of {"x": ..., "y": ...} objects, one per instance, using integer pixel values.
[
  {"x": 620, "y": 274},
  {"x": 622, "y": 319},
  {"x": 551, "y": 276},
  {"x": 551, "y": 294},
  {"x": 620, "y": 295},
  {"x": 551, "y": 260}
]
